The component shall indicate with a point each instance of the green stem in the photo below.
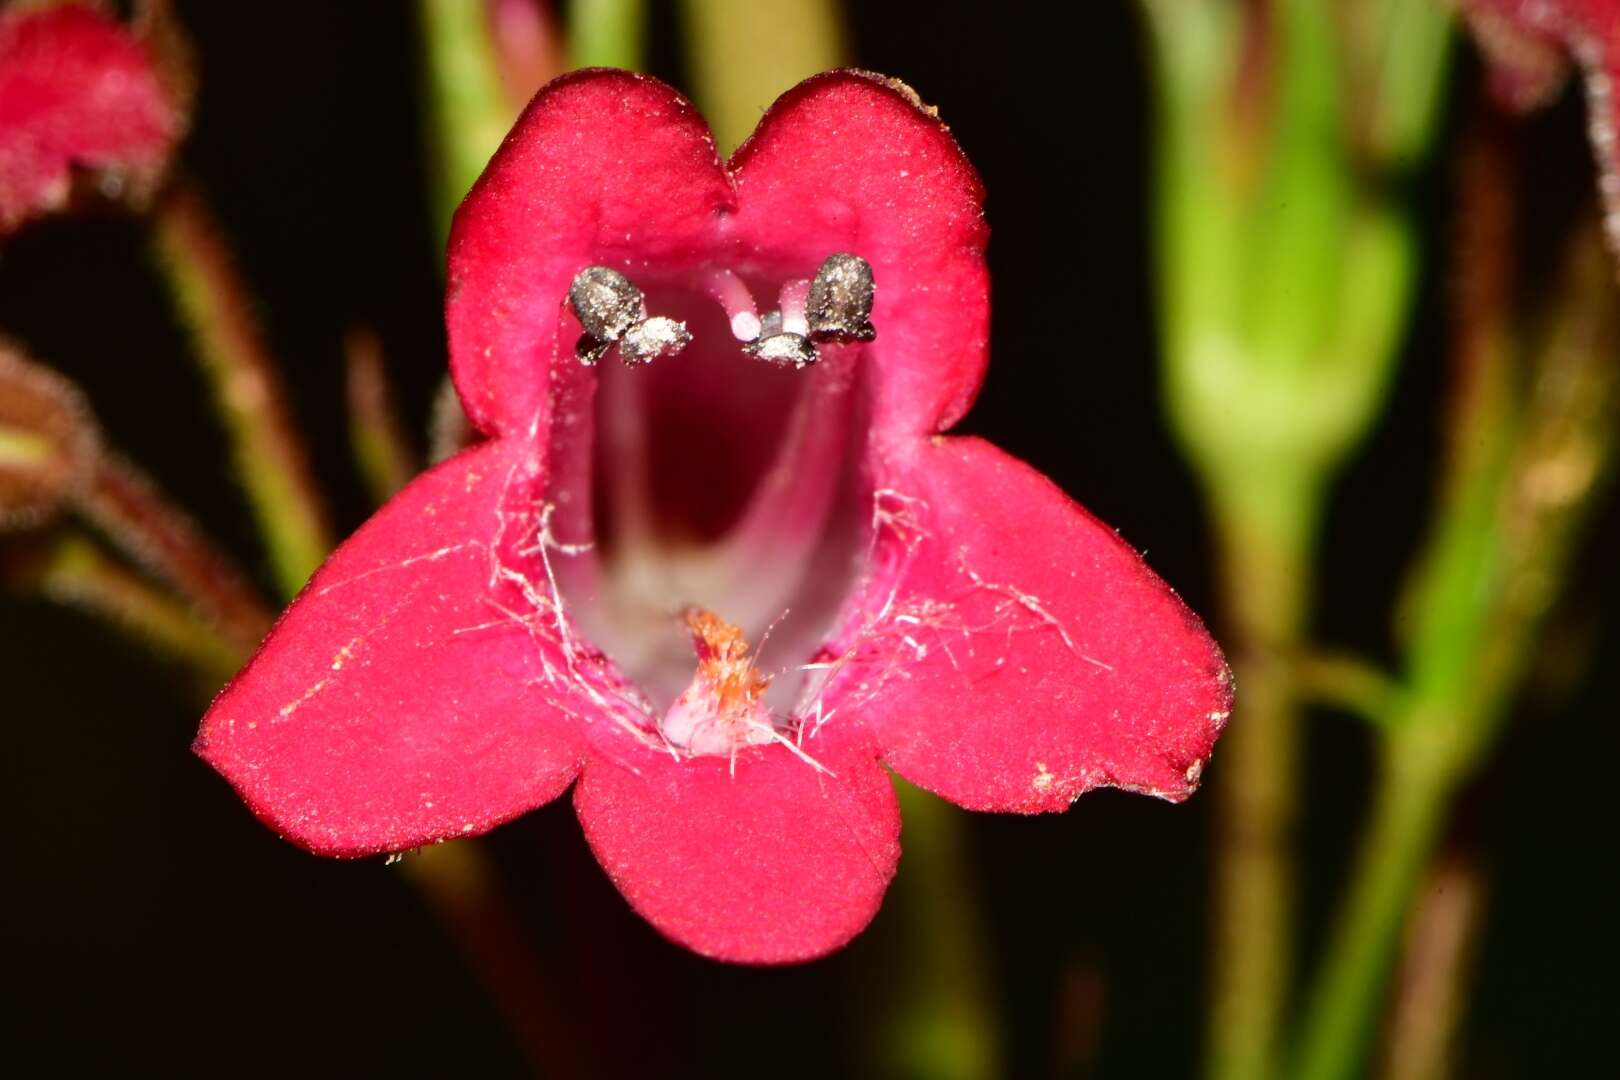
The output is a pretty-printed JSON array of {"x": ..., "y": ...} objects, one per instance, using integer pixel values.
[
  {"x": 940, "y": 1022},
  {"x": 1343, "y": 1005},
  {"x": 1408, "y": 47},
  {"x": 606, "y": 33},
  {"x": 1266, "y": 529},
  {"x": 745, "y": 53},
  {"x": 74, "y": 571},
  {"x": 1351, "y": 683},
  {"x": 470, "y": 109},
  {"x": 269, "y": 455}
]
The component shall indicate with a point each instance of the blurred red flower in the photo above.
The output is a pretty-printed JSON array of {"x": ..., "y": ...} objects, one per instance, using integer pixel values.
[
  {"x": 1530, "y": 43},
  {"x": 510, "y": 623},
  {"x": 78, "y": 94}
]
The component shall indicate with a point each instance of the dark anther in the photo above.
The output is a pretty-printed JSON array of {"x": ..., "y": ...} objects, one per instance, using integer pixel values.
[
  {"x": 611, "y": 309},
  {"x": 840, "y": 304},
  {"x": 785, "y": 349},
  {"x": 605, "y": 302},
  {"x": 590, "y": 350}
]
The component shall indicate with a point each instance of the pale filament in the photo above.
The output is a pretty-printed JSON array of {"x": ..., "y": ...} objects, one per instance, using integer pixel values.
[
  {"x": 791, "y": 300},
  {"x": 733, "y": 296}
]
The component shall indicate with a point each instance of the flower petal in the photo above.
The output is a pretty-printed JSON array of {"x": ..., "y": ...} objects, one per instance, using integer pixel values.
[
  {"x": 778, "y": 863},
  {"x": 1025, "y": 654},
  {"x": 1516, "y": 36},
  {"x": 76, "y": 91},
  {"x": 393, "y": 705},
  {"x": 602, "y": 167},
  {"x": 852, "y": 161},
  {"x": 1526, "y": 64}
]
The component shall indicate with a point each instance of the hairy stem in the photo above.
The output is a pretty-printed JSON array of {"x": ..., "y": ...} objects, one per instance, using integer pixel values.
[
  {"x": 130, "y": 509},
  {"x": 74, "y": 571},
  {"x": 266, "y": 446},
  {"x": 376, "y": 435}
]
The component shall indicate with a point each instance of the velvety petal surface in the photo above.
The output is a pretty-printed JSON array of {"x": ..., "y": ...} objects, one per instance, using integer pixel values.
[
  {"x": 76, "y": 92},
  {"x": 602, "y": 167},
  {"x": 1025, "y": 654},
  {"x": 394, "y": 704},
  {"x": 850, "y": 161},
  {"x": 777, "y": 863}
]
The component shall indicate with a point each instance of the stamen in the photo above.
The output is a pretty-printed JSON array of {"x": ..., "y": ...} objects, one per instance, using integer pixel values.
[
  {"x": 589, "y": 350},
  {"x": 784, "y": 349},
  {"x": 733, "y": 296},
  {"x": 840, "y": 301},
  {"x": 606, "y": 303},
  {"x": 651, "y": 338},
  {"x": 835, "y": 307},
  {"x": 611, "y": 309},
  {"x": 784, "y": 335}
]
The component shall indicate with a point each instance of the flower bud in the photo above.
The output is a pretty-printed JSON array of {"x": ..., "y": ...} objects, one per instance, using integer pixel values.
[
  {"x": 49, "y": 444},
  {"x": 91, "y": 109}
]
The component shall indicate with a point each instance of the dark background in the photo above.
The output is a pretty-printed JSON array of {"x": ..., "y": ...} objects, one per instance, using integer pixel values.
[{"x": 151, "y": 925}]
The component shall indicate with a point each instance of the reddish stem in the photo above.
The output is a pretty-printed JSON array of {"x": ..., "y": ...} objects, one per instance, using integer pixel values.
[
  {"x": 128, "y": 507},
  {"x": 461, "y": 886}
]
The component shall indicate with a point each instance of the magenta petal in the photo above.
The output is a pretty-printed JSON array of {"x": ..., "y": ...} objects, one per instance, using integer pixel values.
[
  {"x": 392, "y": 705},
  {"x": 76, "y": 92},
  {"x": 850, "y": 161},
  {"x": 602, "y": 167},
  {"x": 1028, "y": 654},
  {"x": 778, "y": 863}
]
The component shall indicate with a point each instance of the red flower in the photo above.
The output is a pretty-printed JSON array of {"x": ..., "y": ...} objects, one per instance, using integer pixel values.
[
  {"x": 512, "y": 621},
  {"x": 77, "y": 92},
  {"x": 1529, "y": 44}
]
